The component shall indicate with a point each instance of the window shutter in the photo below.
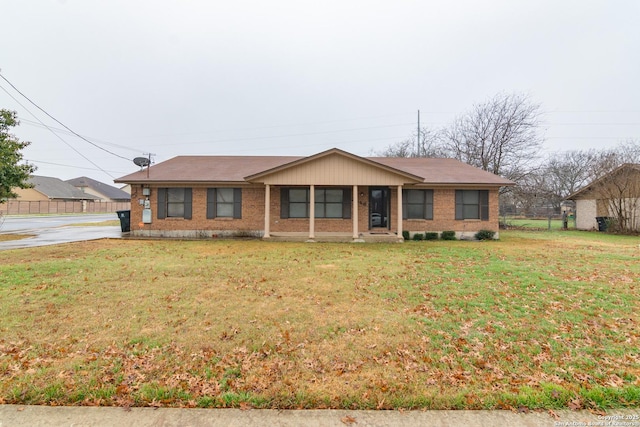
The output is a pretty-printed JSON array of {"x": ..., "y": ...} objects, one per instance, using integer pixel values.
[
  {"x": 211, "y": 203},
  {"x": 237, "y": 202},
  {"x": 405, "y": 205},
  {"x": 187, "y": 203},
  {"x": 162, "y": 203},
  {"x": 346, "y": 203},
  {"x": 484, "y": 204},
  {"x": 284, "y": 203},
  {"x": 428, "y": 201},
  {"x": 459, "y": 209}
]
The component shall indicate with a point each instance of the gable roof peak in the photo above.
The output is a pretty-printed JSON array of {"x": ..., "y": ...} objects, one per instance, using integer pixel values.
[{"x": 333, "y": 152}]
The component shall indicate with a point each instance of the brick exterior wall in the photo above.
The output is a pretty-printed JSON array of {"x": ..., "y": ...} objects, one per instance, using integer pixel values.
[
  {"x": 252, "y": 221},
  {"x": 444, "y": 214}
]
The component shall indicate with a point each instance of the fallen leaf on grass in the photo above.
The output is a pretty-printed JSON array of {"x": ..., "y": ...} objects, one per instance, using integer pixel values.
[{"x": 575, "y": 404}]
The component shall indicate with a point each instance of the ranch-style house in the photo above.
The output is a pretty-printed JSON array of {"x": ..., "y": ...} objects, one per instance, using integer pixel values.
[{"x": 330, "y": 195}]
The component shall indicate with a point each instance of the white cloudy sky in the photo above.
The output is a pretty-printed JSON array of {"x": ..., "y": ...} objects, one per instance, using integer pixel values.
[{"x": 299, "y": 77}]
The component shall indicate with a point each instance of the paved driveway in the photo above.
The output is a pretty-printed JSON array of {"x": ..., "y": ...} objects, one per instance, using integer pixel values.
[{"x": 55, "y": 229}]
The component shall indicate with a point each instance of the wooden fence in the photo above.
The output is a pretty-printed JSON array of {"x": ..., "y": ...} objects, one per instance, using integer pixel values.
[{"x": 20, "y": 207}]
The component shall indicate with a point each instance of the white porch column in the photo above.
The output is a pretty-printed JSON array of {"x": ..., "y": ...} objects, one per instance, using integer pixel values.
[
  {"x": 354, "y": 211},
  {"x": 312, "y": 212},
  {"x": 267, "y": 209},
  {"x": 400, "y": 212}
]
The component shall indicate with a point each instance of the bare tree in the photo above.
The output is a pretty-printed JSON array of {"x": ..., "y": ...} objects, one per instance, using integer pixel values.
[
  {"x": 406, "y": 148},
  {"x": 565, "y": 173},
  {"x": 616, "y": 186},
  {"x": 499, "y": 136},
  {"x": 524, "y": 196},
  {"x": 429, "y": 144}
]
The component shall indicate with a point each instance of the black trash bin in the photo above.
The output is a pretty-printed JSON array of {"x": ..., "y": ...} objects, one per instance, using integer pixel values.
[
  {"x": 125, "y": 220},
  {"x": 602, "y": 223}
]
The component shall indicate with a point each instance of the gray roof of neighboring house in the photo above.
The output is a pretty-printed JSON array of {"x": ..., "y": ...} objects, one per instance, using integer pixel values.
[
  {"x": 106, "y": 190},
  {"x": 238, "y": 168},
  {"x": 55, "y": 188}
]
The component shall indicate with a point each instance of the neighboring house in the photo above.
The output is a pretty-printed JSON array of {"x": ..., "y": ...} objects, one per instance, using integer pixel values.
[
  {"x": 615, "y": 195},
  {"x": 46, "y": 188},
  {"x": 104, "y": 192},
  {"x": 329, "y": 193}
]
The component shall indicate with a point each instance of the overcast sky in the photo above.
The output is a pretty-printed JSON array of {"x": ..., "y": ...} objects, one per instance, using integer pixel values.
[{"x": 298, "y": 77}]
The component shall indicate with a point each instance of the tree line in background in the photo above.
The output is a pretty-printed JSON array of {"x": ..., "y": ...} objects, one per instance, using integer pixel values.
[{"x": 503, "y": 136}]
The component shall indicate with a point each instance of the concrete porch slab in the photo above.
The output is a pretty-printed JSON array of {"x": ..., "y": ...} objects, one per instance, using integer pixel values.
[{"x": 335, "y": 237}]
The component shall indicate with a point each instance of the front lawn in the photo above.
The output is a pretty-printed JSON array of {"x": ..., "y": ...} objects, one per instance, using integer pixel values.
[{"x": 536, "y": 320}]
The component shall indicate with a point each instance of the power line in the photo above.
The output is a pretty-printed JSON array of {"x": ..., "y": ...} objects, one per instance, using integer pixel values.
[
  {"x": 57, "y": 121},
  {"x": 276, "y": 126},
  {"x": 321, "y": 144},
  {"x": 56, "y": 135},
  {"x": 242, "y": 138},
  {"x": 592, "y": 111},
  {"x": 69, "y": 166},
  {"x": 593, "y": 124},
  {"x": 287, "y": 135},
  {"x": 36, "y": 124}
]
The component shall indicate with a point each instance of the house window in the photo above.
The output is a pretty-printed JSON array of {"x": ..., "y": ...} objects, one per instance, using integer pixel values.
[
  {"x": 472, "y": 204},
  {"x": 174, "y": 203},
  {"x": 330, "y": 202},
  {"x": 224, "y": 203},
  {"x": 417, "y": 204},
  {"x": 298, "y": 202}
]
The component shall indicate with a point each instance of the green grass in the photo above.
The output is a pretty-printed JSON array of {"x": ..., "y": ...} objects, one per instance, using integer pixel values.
[{"x": 537, "y": 319}]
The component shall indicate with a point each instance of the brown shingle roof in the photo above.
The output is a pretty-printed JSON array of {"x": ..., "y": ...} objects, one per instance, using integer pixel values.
[
  {"x": 207, "y": 169},
  {"x": 193, "y": 169},
  {"x": 443, "y": 171}
]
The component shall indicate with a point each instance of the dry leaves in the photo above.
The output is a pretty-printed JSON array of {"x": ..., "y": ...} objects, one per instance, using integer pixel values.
[{"x": 348, "y": 420}]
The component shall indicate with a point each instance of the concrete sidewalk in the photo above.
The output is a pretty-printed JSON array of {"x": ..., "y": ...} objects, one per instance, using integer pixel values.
[{"x": 41, "y": 416}]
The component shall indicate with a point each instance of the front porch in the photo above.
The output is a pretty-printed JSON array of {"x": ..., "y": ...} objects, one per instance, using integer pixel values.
[{"x": 366, "y": 237}]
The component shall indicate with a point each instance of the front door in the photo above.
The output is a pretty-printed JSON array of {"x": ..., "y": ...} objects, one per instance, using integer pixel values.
[{"x": 379, "y": 207}]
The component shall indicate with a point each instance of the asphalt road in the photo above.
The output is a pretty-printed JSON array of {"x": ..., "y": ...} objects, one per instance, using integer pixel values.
[{"x": 56, "y": 229}]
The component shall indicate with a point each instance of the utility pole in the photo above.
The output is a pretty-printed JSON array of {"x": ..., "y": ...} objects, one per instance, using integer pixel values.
[
  {"x": 418, "y": 137},
  {"x": 149, "y": 162}
]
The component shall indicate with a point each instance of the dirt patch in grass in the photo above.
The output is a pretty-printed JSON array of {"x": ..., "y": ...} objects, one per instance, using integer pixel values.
[
  {"x": 532, "y": 321},
  {"x": 8, "y": 237}
]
